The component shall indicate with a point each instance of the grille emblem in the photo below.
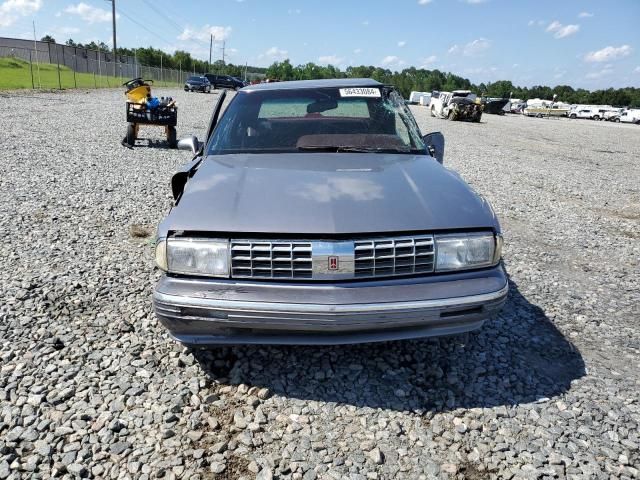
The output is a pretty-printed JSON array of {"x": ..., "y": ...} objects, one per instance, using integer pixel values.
[{"x": 333, "y": 263}]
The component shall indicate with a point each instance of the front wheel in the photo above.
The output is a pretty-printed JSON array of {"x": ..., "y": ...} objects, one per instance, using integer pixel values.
[
  {"x": 573, "y": 115},
  {"x": 172, "y": 137},
  {"x": 131, "y": 134},
  {"x": 617, "y": 120},
  {"x": 596, "y": 118}
]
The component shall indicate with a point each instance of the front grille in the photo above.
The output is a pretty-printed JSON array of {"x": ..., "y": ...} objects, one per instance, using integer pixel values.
[
  {"x": 370, "y": 258},
  {"x": 264, "y": 259},
  {"x": 384, "y": 257}
]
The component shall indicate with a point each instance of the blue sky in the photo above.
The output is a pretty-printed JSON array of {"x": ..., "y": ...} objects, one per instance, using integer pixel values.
[{"x": 583, "y": 43}]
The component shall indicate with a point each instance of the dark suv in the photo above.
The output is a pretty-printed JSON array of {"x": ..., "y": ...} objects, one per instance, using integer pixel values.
[
  {"x": 197, "y": 83},
  {"x": 225, "y": 81}
]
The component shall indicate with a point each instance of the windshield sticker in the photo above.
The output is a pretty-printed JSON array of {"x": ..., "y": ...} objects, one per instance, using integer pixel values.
[{"x": 360, "y": 92}]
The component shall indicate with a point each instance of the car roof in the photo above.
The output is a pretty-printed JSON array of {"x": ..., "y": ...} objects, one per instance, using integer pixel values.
[{"x": 324, "y": 83}]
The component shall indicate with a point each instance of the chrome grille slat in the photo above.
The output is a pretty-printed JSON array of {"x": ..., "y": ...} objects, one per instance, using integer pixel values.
[
  {"x": 265, "y": 259},
  {"x": 388, "y": 257}
]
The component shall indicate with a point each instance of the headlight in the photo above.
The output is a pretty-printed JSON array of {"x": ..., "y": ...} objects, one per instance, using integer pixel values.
[
  {"x": 161, "y": 254},
  {"x": 198, "y": 256},
  {"x": 465, "y": 251}
]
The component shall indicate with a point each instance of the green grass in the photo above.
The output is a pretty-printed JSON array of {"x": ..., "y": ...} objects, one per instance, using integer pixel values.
[{"x": 16, "y": 74}]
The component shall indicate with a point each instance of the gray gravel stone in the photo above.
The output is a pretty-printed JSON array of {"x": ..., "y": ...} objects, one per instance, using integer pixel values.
[{"x": 90, "y": 380}]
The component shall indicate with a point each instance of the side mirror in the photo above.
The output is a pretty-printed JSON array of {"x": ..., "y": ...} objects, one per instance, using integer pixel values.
[
  {"x": 434, "y": 142},
  {"x": 190, "y": 143}
]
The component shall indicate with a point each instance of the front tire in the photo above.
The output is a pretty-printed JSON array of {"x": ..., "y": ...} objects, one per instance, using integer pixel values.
[
  {"x": 131, "y": 134},
  {"x": 172, "y": 138}
]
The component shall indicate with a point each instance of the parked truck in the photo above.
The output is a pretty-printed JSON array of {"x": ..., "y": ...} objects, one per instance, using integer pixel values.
[{"x": 456, "y": 105}]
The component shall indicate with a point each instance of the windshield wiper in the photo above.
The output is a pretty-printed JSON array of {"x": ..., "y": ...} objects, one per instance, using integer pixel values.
[{"x": 348, "y": 149}]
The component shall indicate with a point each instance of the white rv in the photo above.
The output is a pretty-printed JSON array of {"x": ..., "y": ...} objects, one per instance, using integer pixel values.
[
  {"x": 630, "y": 116},
  {"x": 420, "y": 98}
]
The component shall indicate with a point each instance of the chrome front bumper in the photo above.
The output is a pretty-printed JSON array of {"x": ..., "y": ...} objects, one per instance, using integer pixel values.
[{"x": 209, "y": 312}]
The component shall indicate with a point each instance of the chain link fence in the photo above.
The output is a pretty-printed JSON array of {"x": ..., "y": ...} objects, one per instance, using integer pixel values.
[{"x": 35, "y": 65}]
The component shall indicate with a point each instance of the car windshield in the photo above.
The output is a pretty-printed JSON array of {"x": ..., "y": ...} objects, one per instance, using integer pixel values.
[
  {"x": 195, "y": 79},
  {"x": 317, "y": 120}
]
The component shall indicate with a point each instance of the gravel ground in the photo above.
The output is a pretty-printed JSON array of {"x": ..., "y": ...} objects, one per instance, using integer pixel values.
[{"x": 91, "y": 386}]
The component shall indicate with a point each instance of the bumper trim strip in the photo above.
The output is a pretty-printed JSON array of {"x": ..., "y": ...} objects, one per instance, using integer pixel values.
[{"x": 328, "y": 309}]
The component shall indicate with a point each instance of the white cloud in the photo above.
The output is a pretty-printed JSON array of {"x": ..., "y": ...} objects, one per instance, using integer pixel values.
[
  {"x": 599, "y": 74},
  {"x": 11, "y": 10},
  {"x": 636, "y": 70},
  {"x": 64, "y": 31},
  {"x": 392, "y": 60},
  {"x": 567, "y": 31},
  {"x": 89, "y": 14},
  {"x": 562, "y": 31},
  {"x": 472, "y": 48},
  {"x": 357, "y": 51},
  {"x": 484, "y": 71},
  {"x": 204, "y": 33},
  {"x": 475, "y": 2},
  {"x": 424, "y": 2},
  {"x": 402, "y": 43},
  {"x": 292, "y": 11},
  {"x": 426, "y": 62},
  {"x": 553, "y": 26},
  {"x": 531, "y": 23},
  {"x": 585, "y": 15},
  {"x": 454, "y": 49},
  {"x": 608, "y": 53},
  {"x": 330, "y": 59},
  {"x": 274, "y": 53}
]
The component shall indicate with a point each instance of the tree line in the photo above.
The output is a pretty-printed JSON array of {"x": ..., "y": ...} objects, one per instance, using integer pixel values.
[
  {"x": 180, "y": 59},
  {"x": 408, "y": 80},
  {"x": 423, "y": 80}
]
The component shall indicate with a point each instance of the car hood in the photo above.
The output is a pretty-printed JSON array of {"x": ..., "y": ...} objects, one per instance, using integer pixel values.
[{"x": 326, "y": 193}]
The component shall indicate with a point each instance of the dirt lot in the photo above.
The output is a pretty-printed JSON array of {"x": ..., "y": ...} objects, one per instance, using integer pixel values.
[{"x": 91, "y": 386}]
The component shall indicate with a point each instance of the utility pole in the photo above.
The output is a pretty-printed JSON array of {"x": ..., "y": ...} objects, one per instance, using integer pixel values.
[
  {"x": 35, "y": 50},
  {"x": 223, "y": 45},
  {"x": 113, "y": 20},
  {"x": 210, "y": 49}
]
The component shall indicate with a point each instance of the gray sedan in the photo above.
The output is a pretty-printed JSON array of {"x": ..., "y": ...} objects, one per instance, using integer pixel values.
[{"x": 316, "y": 213}]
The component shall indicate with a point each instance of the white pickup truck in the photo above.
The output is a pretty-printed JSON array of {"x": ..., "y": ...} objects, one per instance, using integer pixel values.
[
  {"x": 456, "y": 105},
  {"x": 590, "y": 113}
]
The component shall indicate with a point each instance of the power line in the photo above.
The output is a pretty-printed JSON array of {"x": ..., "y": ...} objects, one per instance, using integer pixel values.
[
  {"x": 168, "y": 19},
  {"x": 143, "y": 27}
]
